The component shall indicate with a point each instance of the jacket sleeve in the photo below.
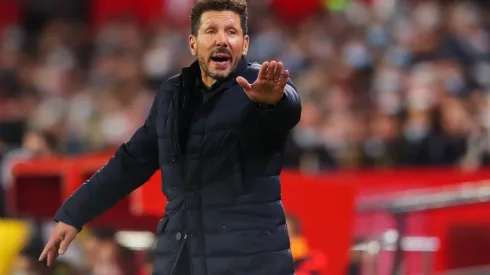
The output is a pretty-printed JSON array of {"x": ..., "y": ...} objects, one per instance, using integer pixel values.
[
  {"x": 132, "y": 165},
  {"x": 283, "y": 116}
]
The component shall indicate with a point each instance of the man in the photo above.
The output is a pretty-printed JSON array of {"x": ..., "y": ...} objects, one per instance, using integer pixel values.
[{"x": 217, "y": 133}]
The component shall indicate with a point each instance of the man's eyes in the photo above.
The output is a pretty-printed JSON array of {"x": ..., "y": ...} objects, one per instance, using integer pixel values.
[{"x": 233, "y": 32}]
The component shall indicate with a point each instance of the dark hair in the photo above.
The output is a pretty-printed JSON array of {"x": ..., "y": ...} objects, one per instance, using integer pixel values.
[
  {"x": 201, "y": 6},
  {"x": 52, "y": 139}
]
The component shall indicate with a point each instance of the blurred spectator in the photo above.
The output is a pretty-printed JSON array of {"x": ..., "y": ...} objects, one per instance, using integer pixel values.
[
  {"x": 92, "y": 242},
  {"x": 356, "y": 258},
  {"x": 149, "y": 262},
  {"x": 35, "y": 143},
  {"x": 13, "y": 113},
  {"x": 27, "y": 262},
  {"x": 104, "y": 256},
  {"x": 306, "y": 261}
]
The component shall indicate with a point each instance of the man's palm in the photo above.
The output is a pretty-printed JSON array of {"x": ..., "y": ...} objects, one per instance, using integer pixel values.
[{"x": 270, "y": 83}]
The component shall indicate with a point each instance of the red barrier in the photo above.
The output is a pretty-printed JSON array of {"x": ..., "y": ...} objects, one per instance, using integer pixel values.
[
  {"x": 323, "y": 203},
  {"x": 41, "y": 186}
]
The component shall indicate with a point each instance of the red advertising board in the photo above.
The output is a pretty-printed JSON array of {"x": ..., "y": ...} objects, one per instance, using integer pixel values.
[{"x": 323, "y": 203}]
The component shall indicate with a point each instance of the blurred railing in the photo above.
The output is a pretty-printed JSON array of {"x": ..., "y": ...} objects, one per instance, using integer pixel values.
[
  {"x": 428, "y": 198},
  {"x": 482, "y": 270},
  {"x": 465, "y": 200}
]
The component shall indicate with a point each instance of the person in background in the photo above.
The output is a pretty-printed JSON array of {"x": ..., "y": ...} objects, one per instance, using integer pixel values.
[
  {"x": 27, "y": 262},
  {"x": 149, "y": 262},
  {"x": 104, "y": 255},
  {"x": 35, "y": 143},
  {"x": 355, "y": 258},
  {"x": 306, "y": 261},
  {"x": 92, "y": 245}
]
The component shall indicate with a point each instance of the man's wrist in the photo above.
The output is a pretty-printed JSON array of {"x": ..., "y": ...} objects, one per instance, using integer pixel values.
[{"x": 269, "y": 106}]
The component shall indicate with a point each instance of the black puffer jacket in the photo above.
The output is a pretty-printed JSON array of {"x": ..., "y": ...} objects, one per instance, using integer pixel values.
[{"x": 224, "y": 195}]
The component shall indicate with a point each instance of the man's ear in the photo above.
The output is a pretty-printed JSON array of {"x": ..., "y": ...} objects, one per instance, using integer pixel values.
[
  {"x": 246, "y": 41},
  {"x": 193, "y": 44}
]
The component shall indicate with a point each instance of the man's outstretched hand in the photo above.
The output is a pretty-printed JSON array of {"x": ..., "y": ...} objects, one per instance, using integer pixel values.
[
  {"x": 269, "y": 86},
  {"x": 61, "y": 237}
]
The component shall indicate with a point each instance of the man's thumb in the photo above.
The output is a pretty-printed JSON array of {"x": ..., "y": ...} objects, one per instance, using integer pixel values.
[{"x": 244, "y": 83}]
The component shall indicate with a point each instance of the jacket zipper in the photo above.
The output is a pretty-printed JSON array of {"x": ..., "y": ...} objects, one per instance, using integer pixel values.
[
  {"x": 180, "y": 106},
  {"x": 186, "y": 242},
  {"x": 176, "y": 105}
]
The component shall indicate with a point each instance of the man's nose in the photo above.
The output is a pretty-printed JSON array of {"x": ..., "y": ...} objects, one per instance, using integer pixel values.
[{"x": 221, "y": 40}]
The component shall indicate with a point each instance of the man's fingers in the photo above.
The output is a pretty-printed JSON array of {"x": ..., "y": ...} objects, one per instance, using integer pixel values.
[
  {"x": 263, "y": 70},
  {"x": 244, "y": 84},
  {"x": 278, "y": 72},
  {"x": 50, "y": 246},
  {"x": 271, "y": 71},
  {"x": 65, "y": 243},
  {"x": 51, "y": 257},
  {"x": 284, "y": 80}
]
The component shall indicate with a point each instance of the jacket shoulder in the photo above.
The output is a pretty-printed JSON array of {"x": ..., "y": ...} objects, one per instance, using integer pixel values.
[{"x": 169, "y": 86}]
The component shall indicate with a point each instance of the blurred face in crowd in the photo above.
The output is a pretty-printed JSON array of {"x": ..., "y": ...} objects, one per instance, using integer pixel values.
[
  {"x": 219, "y": 44},
  {"x": 26, "y": 266},
  {"x": 22, "y": 265},
  {"x": 106, "y": 262},
  {"x": 90, "y": 247},
  {"x": 292, "y": 227},
  {"x": 36, "y": 144},
  {"x": 288, "y": 225},
  {"x": 148, "y": 268}
]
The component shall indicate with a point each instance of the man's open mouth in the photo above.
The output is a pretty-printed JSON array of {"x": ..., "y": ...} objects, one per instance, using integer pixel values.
[{"x": 220, "y": 58}]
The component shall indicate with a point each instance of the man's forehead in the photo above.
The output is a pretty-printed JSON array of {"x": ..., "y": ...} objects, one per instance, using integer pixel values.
[{"x": 220, "y": 18}]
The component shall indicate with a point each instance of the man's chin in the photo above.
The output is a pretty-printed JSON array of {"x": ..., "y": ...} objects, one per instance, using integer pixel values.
[{"x": 219, "y": 76}]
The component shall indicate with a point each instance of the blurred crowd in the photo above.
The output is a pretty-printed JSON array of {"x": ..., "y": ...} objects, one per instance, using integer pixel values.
[
  {"x": 383, "y": 84},
  {"x": 95, "y": 252}
]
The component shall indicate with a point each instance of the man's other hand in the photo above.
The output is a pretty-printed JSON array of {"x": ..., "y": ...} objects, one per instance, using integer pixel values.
[
  {"x": 269, "y": 86},
  {"x": 61, "y": 237}
]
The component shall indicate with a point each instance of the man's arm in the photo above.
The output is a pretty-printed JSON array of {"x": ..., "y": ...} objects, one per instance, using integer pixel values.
[
  {"x": 132, "y": 165},
  {"x": 284, "y": 115}
]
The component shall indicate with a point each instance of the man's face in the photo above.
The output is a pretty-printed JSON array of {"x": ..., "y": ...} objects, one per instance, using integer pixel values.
[{"x": 219, "y": 44}]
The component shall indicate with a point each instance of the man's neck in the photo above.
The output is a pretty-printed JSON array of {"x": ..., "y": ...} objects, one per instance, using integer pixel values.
[{"x": 206, "y": 80}]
